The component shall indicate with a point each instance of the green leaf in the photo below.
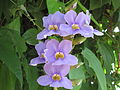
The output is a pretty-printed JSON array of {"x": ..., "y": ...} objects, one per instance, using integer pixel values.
[
  {"x": 77, "y": 73},
  {"x": 30, "y": 36},
  {"x": 7, "y": 79},
  {"x": 8, "y": 54},
  {"x": 18, "y": 41},
  {"x": 14, "y": 25},
  {"x": 107, "y": 54},
  {"x": 95, "y": 64},
  {"x": 31, "y": 75},
  {"x": 54, "y": 5},
  {"x": 116, "y": 4}
]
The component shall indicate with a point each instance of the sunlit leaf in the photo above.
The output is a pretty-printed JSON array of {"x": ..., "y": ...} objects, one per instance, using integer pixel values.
[{"x": 95, "y": 64}]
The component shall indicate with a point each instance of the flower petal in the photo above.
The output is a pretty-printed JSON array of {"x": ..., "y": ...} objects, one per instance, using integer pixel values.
[
  {"x": 47, "y": 20},
  {"x": 56, "y": 84},
  {"x": 41, "y": 34},
  {"x": 49, "y": 68},
  {"x": 40, "y": 48},
  {"x": 36, "y": 61},
  {"x": 87, "y": 31},
  {"x": 82, "y": 19},
  {"x": 63, "y": 70},
  {"x": 52, "y": 32},
  {"x": 65, "y": 30},
  {"x": 65, "y": 46},
  {"x": 98, "y": 33},
  {"x": 49, "y": 55},
  {"x": 44, "y": 80},
  {"x": 70, "y": 17},
  {"x": 52, "y": 44},
  {"x": 66, "y": 83},
  {"x": 58, "y": 18},
  {"x": 69, "y": 60}
]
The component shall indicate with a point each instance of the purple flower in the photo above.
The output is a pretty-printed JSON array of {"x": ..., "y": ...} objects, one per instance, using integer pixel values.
[
  {"x": 55, "y": 76},
  {"x": 40, "y": 50},
  {"x": 58, "y": 53},
  {"x": 51, "y": 23},
  {"x": 78, "y": 24}
]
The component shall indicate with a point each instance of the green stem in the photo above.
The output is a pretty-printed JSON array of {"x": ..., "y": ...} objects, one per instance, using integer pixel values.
[
  {"x": 32, "y": 20},
  {"x": 55, "y": 88}
]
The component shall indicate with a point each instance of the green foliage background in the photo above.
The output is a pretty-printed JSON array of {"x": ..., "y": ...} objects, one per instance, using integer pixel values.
[{"x": 21, "y": 21}]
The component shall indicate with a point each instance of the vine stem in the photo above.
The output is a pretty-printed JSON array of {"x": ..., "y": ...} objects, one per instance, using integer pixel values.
[{"x": 55, "y": 88}]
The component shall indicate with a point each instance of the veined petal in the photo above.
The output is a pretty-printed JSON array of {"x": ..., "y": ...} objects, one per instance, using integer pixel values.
[
  {"x": 47, "y": 20},
  {"x": 87, "y": 31},
  {"x": 36, "y": 61},
  {"x": 70, "y": 17},
  {"x": 56, "y": 84},
  {"x": 68, "y": 60},
  {"x": 65, "y": 46},
  {"x": 52, "y": 45},
  {"x": 98, "y": 33},
  {"x": 65, "y": 30},
  {"x": 63, "y": 70},
  {"x": 58, "y": 18},
  {"x": 40, "y": 48},
  {"x": 44, "y": 80},
  {"x": 41, "y": 34},
  {"x": 52, "y": 32},
  {"x": 49, "y": 55},
  {"x": 66, "y": 83},
  {"x": 49, "y": 69},
  {"x": 82, "y": 19}
]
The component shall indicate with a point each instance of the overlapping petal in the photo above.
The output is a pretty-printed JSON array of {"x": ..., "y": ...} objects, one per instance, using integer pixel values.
[
  {"x": 56, "y": 84},
  {"x": 63, "y": 70},
  {"x": 68, "y": 60},
  {"x": 82, "y": 18},
  {"x": 44, "y": 80},
  {"x": 58, "y": 18},
  {"x": 40, "y": 47},
  {"x": 66, "y": 83},
  {"x": 65, "y": 30},
  {"x": 36, "y": 61},
  {"x": 52, "y": 45},
  {"x": 70, "y": 17},
  {"x": 87, "y": 31},
  {"x": 42, "y": 35},
  {"x": 47, "y": 20},
  {"x": 65, "y": 46}
]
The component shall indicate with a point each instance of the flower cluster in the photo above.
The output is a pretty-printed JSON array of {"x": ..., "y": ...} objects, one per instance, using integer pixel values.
[
  {"x": 68, "y": 24},
  {"x": 57, "y": 59},
  {"x": 56, "y": 55}
]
